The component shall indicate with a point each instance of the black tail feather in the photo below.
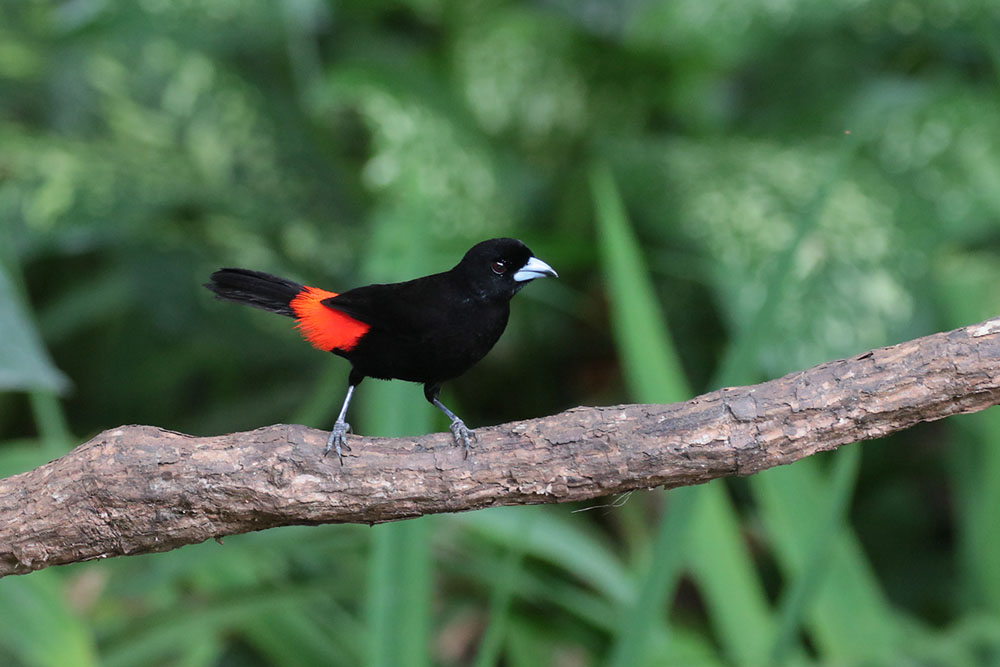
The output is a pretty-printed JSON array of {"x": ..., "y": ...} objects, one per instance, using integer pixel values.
[{"x": 255, "y": 288}]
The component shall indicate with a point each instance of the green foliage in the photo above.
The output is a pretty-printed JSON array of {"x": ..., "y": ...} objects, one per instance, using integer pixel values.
[
  {"x": 40, "y": 625},
  {"x": 24, "y": 363},
  {"x": 730, "y": 190}
]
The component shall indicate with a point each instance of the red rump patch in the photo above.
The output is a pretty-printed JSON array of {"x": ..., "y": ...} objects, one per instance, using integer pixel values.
[{"x": 324, "y": 327}]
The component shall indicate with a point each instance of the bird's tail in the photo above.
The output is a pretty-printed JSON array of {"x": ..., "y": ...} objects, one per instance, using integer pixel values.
[
  {"x": 326, "y": 328},
  {"x": 257, "y": 289}
]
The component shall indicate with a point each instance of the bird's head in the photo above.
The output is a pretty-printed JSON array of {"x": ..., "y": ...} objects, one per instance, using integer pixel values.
[{"x": 499, "y": 268}]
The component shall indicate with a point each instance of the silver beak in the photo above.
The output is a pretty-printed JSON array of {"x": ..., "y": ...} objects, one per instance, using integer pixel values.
[{"x": 535, "y": 268}]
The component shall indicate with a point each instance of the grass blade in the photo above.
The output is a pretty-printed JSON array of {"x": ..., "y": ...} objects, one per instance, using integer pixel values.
[
  {"x": 724, "y": 572},
  {"x": 56, "y": 438},
  {"x": 652, "y": 368},
  {"x": 966, "y": 293},
  {"x": 640, "y": 620},
  {"x": 653, "y": 374},
  {"x": 399, "y": 593},
  {"x": 558, "y": 540},
  {"x": 503, "y": 591},
  {"x": 160, "y": 640},
  {"x": 720, "y": 562},
  {"x": 38, "y": 627},
  {"x": 401, "y": 574},
  {"x": 850, "y": 620},
  {"x": 804, "y": 586}
]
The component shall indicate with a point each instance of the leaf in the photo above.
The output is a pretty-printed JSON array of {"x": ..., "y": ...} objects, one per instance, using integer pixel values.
[
  {"x": 651, "y": 366},
  {"x": 401, "y": 575},
  {"x": 39, "y": 627},
  {"x": 653, "y": 373},
  {"x": 24, "y": 362},
  {"x": 557, "y": 539}
]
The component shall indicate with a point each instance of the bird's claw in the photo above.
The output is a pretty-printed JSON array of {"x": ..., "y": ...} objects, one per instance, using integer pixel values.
[
  {"x": 463, "y": 435},
  {"x": 338, "y": 440}
]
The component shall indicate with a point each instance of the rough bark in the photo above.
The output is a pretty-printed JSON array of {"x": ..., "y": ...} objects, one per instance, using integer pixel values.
[{"x": 139, "y": 489}]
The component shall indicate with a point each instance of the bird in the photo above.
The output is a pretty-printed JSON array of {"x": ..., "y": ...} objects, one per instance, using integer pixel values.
[{"x": 426, "y": 330}]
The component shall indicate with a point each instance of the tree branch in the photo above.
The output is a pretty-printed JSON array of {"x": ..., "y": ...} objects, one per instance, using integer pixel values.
[{"x": 140, "y": 489}]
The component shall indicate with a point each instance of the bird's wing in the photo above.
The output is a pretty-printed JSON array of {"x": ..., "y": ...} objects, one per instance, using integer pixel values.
[
  {"x": 358, "y": 303},
  {"x": 406, "y": 310}
]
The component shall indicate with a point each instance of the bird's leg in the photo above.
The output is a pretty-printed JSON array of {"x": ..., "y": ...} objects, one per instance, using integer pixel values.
[
  {"x": 338, "y": 436},
  {"x": 462, "y": 434}
]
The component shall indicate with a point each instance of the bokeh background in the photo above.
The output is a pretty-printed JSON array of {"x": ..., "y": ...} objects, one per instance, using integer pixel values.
[{"x": 730, "y": 190}]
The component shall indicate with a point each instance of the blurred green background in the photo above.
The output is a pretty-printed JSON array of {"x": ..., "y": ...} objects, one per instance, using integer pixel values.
[{"x": 729, "y": 189}]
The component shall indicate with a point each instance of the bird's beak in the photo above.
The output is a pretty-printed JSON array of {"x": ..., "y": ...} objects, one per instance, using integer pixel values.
[{"x": 535, "y": 268}]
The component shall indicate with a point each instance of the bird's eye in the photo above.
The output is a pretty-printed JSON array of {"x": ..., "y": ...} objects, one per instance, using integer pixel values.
[{"x": 500, "y": 267}]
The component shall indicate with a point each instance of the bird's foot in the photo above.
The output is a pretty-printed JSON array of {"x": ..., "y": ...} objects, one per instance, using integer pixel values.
[
  {"x": 463, "y": 435},
  {"x": 338, "y": 440}
]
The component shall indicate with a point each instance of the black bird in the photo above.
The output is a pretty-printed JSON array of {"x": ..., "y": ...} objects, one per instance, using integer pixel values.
[{"x": 426, "y": 330}]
